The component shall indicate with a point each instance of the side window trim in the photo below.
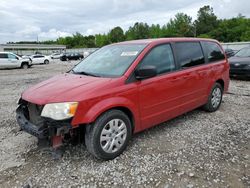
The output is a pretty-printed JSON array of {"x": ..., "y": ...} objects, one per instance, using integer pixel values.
[{"x": 131, "y": 77}]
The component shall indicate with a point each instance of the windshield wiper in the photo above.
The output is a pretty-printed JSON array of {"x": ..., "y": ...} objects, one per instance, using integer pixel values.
[{"x": 85, "y": 73}]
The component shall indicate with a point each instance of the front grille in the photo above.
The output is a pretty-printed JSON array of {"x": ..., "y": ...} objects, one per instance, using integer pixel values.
[{"x": 35, "y": 114}]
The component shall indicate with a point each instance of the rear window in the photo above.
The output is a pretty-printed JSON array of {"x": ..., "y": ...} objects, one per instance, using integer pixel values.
[
  {"x": 189, "y": 54},
  {"x": 213, "y": 51},
  {"x": 3, "y": 56}
]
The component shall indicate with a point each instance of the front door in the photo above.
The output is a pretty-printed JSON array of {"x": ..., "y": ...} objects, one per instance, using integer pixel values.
[
  {"x": 160, "y": 96},
  {"x": 12, "y": 61}
]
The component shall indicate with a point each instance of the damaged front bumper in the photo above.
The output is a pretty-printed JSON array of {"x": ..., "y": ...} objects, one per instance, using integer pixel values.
[{"x": 45, "y": 129}]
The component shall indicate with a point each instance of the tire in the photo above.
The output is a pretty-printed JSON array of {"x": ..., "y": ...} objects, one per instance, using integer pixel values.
[
  {"x": 46, "y": 61},
  {"x": 25, "y": 66},
  {"x": 67, "y": 59},
  {"x": 214, "y": 99},
  {"x": 108, "y": 126}
]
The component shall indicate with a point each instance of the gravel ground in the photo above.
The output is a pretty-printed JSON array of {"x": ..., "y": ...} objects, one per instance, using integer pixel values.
[{"x": 197, "y": 149}]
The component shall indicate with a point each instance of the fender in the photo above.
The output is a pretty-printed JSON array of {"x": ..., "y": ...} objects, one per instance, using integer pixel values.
[{"x": 95, "y": 110}]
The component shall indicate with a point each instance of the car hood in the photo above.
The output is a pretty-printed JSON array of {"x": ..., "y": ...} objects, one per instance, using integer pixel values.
[
  {"x": 240, "y": 60},
  {"x": 64, "y": 88}
]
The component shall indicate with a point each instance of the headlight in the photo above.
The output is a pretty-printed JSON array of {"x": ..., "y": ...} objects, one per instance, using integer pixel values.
[{"x": 59, "y": 111}]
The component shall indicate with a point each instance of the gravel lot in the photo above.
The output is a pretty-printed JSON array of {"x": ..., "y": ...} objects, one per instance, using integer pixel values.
[{"x": 197, "y": 149}]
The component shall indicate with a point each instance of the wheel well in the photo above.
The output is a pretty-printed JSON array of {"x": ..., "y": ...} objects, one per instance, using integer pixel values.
[
  {"x": 25, "y": 62},
  {"x": 221, "y": 82},
  {"x": 127, "y": 112}
]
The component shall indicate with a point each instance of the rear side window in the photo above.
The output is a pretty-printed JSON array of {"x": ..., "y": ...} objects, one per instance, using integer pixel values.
[
  {"x": 213, "y": 51},
  {"x": 161, "y": 57},
  {"x": 3, "y": 56},
  {"x": 189, "y": 54}
]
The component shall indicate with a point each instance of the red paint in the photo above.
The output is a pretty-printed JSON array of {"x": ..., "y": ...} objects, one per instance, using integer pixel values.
[
  {"x": 56, "y": 141},
  {"x": 151, "y": 101}
]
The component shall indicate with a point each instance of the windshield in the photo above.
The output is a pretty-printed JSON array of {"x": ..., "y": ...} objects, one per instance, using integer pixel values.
[
  {"x": 109, "y": 61},
  {"x": 245, "y": 52}
]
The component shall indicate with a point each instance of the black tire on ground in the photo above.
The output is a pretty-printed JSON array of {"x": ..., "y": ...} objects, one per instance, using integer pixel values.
[
  {"x": 46, "y": 61},
  {"x": 95, "y": 130},
  {"x": 212, "y": 105},
  {"x": 25, "y": 66},
  {"x": 67, "y": 59}
]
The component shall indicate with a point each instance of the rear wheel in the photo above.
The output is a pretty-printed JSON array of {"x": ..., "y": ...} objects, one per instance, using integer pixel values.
[
  {"x": 214, "y": 99},
  {"x": 109, "y": 135},
  {"x": 46, "y": 61}
]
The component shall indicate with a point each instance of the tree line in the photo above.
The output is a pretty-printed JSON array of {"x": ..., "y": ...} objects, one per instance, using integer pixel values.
[{"x": 207, "y": 25}]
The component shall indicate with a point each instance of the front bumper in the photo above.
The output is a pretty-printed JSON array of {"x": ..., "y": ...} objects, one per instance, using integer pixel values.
[
  {"x": 40, "y": 132},
  {"x": 46, "y": 129}
]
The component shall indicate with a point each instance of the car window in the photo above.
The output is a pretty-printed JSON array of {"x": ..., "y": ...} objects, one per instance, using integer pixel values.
[
  {"x": 3, "y": 56},
  {"x": 245, "y": 52},
  {"x": 110, "y": 61},
  {"x": 161, "y": 57},
  {"x": 189, "y": 54},
  {"x": 11, "y": 56},
  {"x": 213, "y": 51}
]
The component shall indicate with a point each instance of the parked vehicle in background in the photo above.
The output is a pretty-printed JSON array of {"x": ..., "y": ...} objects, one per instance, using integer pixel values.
[
  {"x": 240, "y": 63},
  {"x": 71, "y": 56},
  {"x": 86, "y": 54},
  {"x": 40, "y": 59},
  {"x": 229, "y": 52},
  {"x": 11, "y": 60},
  {"x": 55, "y": 55},
  {"x": 26, "y": 57},
  {"x": 125, "y": 88}
]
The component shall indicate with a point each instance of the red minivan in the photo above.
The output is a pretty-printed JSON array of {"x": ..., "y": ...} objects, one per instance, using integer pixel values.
[{"x": 124, "y": 88}]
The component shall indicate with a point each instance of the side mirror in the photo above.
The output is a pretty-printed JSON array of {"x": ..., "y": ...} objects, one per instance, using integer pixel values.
[{"x": 145, "y": 72}]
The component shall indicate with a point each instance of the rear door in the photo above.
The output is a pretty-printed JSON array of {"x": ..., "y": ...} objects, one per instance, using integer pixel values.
[
  {"x": 41, "y": 59},
  {"x": 35, "y": 59},
  {"x": 194, "y": 72}
]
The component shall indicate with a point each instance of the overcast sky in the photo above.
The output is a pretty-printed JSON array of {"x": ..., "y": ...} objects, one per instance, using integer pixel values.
[{"x": 50, "y": 19}]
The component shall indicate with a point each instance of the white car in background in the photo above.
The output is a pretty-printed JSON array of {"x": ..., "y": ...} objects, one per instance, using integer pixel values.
[
  {"x": 11, "y": 60},
  {"x": 40, "y": 59},
  {"x": 55, "y": 56}
]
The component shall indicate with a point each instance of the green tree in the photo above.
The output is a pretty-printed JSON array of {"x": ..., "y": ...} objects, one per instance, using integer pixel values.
[
  {"x": 206, "y": 20},
  {"x": 180, "y": 26},
  {"x": 232, "y": 30},
  {"x": 116, "y": 35},
  {"x": 101, "y": 40},
  {"x": 138, "y": 31},
  {"x": 155, "y": 31}
]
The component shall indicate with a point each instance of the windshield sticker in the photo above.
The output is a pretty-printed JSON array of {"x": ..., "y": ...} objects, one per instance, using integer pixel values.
[{"x": 132, "y": 53}]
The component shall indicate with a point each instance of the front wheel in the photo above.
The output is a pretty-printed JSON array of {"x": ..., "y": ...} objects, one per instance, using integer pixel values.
[
  {"x": 46, "y": 61},
  {"x": 25, "y": 66},
  {"x": 215, "y": 98},
  {"x": 108, "y": 136}
]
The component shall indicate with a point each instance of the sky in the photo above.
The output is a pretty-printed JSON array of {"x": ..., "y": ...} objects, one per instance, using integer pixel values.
[{"x": 49, "y": 19}]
